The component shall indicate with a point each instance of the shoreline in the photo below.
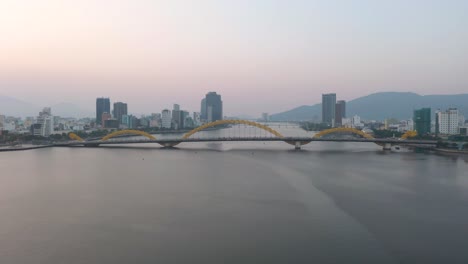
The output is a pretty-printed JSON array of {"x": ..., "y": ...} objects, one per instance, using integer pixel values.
[
  {"x": 25, "y": 148},
  {"x": 451, "y": 151},
  {"x": 434, "y": 150}
]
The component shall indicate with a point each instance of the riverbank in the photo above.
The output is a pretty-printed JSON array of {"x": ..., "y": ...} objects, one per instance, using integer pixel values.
[
  {"x": 5, "y": 149},
  {"x": 451, "y": 151}
]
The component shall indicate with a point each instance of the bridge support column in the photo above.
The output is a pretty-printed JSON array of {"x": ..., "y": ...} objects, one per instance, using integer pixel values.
[
  {"x": 297, "y": 145},
  {"x": 387, "y": 146},
  {"x": 91, "y": 145},
  {"x": 169, "y": 144}
]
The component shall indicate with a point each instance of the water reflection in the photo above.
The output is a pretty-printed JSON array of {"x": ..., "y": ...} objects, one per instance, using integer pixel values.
[{"x": 232, "y": 202}]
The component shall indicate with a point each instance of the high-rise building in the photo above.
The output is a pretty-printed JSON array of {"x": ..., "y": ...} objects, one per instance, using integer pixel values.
[
  {"x": 120, "y": 109},
  {"x": 176, "y": 117},
  {"x": 447, "y": 122},
  {"x": 328, "y": 108},
  {"x": 102, "y": 106},
  {"x": 340, "y": 112},
  {"x": 422, "y": 121},
  {"x": 214, "y": 107},
  {"x": 183, "y": 116},
  {"x": 166, "y": 118},
  {"x": 265, "y": 117},
  {"x": 203, "y": 110}
]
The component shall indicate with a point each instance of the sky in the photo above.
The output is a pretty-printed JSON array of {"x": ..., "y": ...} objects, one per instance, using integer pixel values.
[{"x": 260, "y": 55}]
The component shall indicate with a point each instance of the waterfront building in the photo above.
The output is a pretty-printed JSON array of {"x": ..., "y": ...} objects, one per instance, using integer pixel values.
[
  {"x": 144, "y": 121},
  {"x": 463, "y": 130},
  {"x": 422, "y": 121},
  {"x": 129, "y": 121},
  {"x": 328, "y": 108},
  {"x": 461, "y": 119},
  {"x": 166, "y": 118},
  {"x": 176, "y": 117},
  {"x": 340, "y": 112},
  {"x": 265, "y": 117},
  {"x": 111, "y": 123},
  {"x": 203, "y": 110},
  {"x": 183, "y": 116},
  {"x": 356, "y": 122},
  {"x": 196, "y": 119},
  {"x": 120, "y": 109},
  {"x": 105, "y": 116},
  {"x": 102, "y": 106},
  {"x": 447, "y": 122},
  {"x": 188, "y": 122},
  {"x": 214, "y": 107},
  {"x": 44, "y": 125},
  {"x": 155, "y": 120},
  {"x": 125, "y": 120},
  {"x": 346, "y": 122}
]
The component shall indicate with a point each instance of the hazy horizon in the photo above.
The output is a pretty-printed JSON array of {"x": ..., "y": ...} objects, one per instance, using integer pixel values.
[{"x": 261, "y": 56}]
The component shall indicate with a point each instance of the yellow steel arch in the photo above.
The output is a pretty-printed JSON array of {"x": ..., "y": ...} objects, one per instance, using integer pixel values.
[
  {"x": 74, "y": 136},
  {"x": 128, "y": 132},
  {"x": 343, "y": 130},
  {"x": 409, "y": 134},
  {"x": 234, "y": 122}
]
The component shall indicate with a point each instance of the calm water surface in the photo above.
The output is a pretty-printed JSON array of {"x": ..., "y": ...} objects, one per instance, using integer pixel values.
[{"x": 233, "y": 203}]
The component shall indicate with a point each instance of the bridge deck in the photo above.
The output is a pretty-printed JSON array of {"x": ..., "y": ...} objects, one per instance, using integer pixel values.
[{"x": 247, "y": 139}]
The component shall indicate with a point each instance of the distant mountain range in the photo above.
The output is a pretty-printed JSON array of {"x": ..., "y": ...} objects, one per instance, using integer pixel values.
[
  {"x": 379, "y": 106},
  {"x": 13, "y": 107}
]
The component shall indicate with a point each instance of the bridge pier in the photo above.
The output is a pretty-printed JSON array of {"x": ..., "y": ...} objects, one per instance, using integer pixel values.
[
  {"x": 91, "y": 145},
  {"x": 387, "y": 146},
  {"x": 169, "y": 144},
  {"x": 297, "y": 145}
]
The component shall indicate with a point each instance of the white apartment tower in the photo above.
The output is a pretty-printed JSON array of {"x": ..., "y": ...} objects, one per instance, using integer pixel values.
[
  {"x": 448, "y": 121},
  {"x": 166, "y": 119},
  {"x": 45, "y": 120}
]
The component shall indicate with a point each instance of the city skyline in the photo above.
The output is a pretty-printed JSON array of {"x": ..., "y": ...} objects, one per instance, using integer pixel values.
[{"x": 157, "y": 53}]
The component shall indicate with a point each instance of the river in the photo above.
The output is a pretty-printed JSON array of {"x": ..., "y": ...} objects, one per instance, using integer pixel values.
[{"x": 233, "y": 202}]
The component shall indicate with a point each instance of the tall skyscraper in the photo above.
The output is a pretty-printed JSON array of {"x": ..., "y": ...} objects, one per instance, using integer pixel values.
[
  {"x": 120, "y": 109},
  {"x": 102, "y": 106},
  {"x": 422, "y": 121},
  {"x": 214, "y": 107},
  {"x": 203, "y": 109},
  {"x": 328, "y": 108},
  {"x": 340, "y": 112}
]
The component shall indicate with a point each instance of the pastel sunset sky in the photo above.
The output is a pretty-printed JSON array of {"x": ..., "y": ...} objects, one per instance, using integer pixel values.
[{"x": 260, "y": 55}]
